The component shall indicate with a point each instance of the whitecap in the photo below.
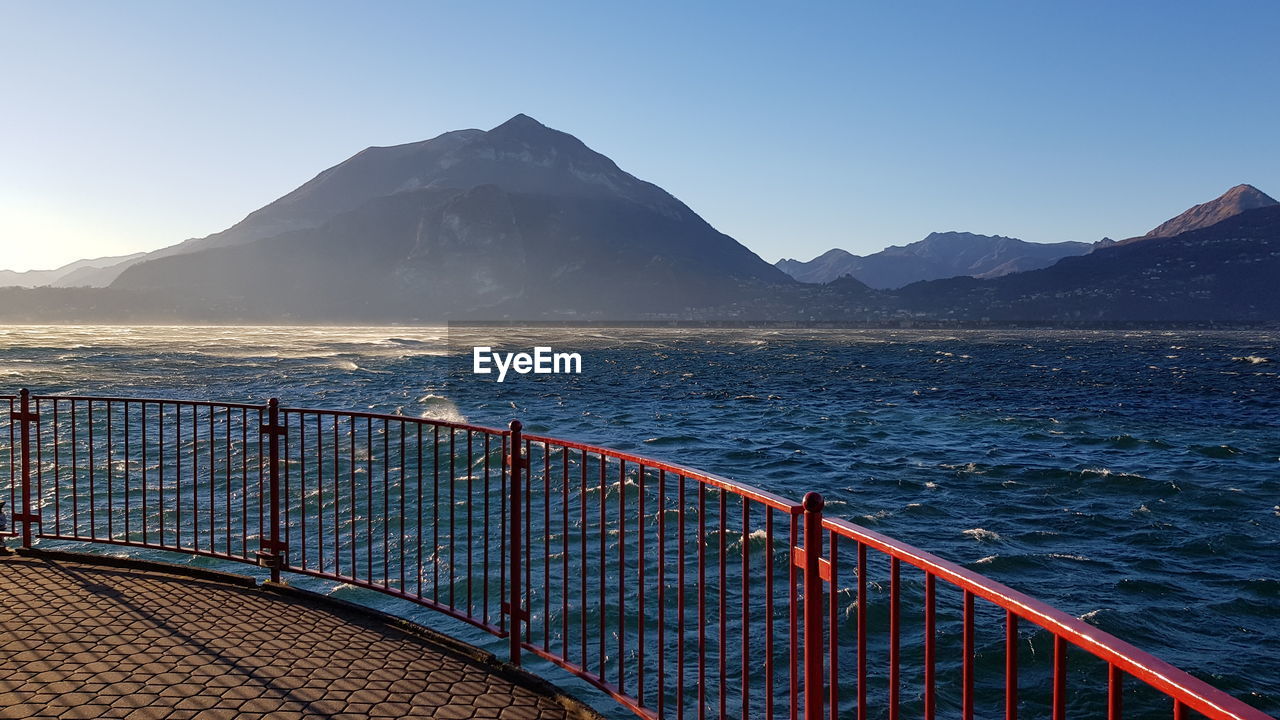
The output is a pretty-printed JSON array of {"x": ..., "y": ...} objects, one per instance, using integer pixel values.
[{"x": 981, "y": 534}]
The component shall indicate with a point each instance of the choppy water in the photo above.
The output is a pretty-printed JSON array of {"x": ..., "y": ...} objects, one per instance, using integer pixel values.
[{"x": 1132, "y": 479}]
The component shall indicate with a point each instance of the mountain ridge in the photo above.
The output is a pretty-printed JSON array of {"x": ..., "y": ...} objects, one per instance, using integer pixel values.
[
  {"x": 939, "y": 255},
  {"x": 1234, "y": 201}
]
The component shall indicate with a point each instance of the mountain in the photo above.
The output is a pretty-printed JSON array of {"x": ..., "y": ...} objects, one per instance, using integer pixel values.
[
  {"x": 1233, "y": 202},
  {"x": 940, "y": 255},
  {"x": 519, "y": 221},
  {"x": 1223, "y": 273},
  {"x": 826, "y": 267},
  {"x": 69, "y": 275}
]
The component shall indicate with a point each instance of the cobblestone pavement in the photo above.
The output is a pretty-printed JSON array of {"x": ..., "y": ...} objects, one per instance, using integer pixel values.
[{"x": 82, "y": 640}]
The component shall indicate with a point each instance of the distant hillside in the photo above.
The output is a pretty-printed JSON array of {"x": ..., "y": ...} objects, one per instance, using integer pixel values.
[
  {"x": 1224, "y": 273},
  {"x": 69, "y": 275},
  {"x": 940, "y": 255},
  {"x": 1233, "y": 202},
  {"x": 519, "y": 221}
]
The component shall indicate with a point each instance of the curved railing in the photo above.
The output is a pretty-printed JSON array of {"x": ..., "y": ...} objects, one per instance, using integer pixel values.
[{"x": 677, "y": 592}]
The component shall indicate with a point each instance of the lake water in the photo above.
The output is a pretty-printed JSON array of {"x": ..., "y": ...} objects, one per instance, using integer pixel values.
[{"x": 1132, "y": 479}]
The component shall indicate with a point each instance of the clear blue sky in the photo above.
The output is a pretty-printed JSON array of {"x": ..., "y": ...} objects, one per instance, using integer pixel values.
[{"x": 132, "y": 125}]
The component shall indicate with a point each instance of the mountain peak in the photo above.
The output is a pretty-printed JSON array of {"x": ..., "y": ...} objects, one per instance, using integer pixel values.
[
  {"x": 1233, "y": 202},
  {"x": 519, "y": 122}
]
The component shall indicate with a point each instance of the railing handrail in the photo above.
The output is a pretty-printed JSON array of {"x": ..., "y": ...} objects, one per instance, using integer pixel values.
[
  {"x": 1193, "y": 692},
  {"x": 153, "y": 401},
  {"x": 765, "y": 497},
  {"x": 1186, "y": 690}
]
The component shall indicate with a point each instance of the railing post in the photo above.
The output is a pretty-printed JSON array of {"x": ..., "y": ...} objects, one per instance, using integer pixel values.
[
  {"x": 273, "y": 550},
  {"x": 26, "y": 417},
  {"x": 517, "y": 461},
  {"x": 814, "y": 593}
]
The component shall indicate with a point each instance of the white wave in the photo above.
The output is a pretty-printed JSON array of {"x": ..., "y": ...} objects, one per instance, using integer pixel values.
[
  {"x": 1252, "y": 359},
  {"x": 982, "y": 534}
]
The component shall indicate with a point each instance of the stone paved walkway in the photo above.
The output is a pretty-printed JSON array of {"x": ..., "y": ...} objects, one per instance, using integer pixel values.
[{"x": 83, "y": 640}]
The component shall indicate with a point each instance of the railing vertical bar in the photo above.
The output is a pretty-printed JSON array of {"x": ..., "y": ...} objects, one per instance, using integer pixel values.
[
  {"x": 39, "y": 462},
  {"x": 125, "y": 479},
  {"x": 662, "y": 593},
  {"x": 418, "y": 492},
  {"x": 528, "y": 540},
  {"x": 966, "y": 680},
  {"x": 93, "y": 494},
  {"x": 603, "y": 526},
  {"x": 564, "y": 552},
  {"x": 177, "y": 475},
  {"x": 582, "y": 557},
  {"x": 702, "y": 600},
  {"x": 1059, "y": 678},
  {"x": 503, "y": 559},
  {"x": 160, "y": 469},
  {"x": 793, "y": 667},
  {"x": 768, "y": 616},
  {"x": 25, "y": 434},
  {"x": 75, "y": 476},
  {"x": 282, "y": 460},
  {"x": 337, "y": 502},
  {"x": 111, "y": 498},
  {"x": 930, "y": 621},
  {"x": 640, "y": 615},
  {"x": 435, "y": 515},
  {"x": 1115, "y": 692},
  {"x": 57, "y": 476},
  {"x": 622, "y": 574},
  {"x": 244, "y": 478},
  {"x": 1011, "y": 666},
  {"x": 195, "y": 478},
  {"x": 386, "y": 503},
  {"x": 279, "y": 555},
  {"x": 262, "y": 457},
  {"x": 813, "y": 596},
  {"x": 226, "y": 436},
  {"x": 453, "y": 503},
  {"x": 368, "y": 499},
  {"x": 895, "y": 638},
  {"x": 721, "y": 590},
  {"x": 862, "y": 631},
  {"x": 833, "y": 693},
  {"x": 546, "y": 545},
  {"x": 320, "y": 556},
  {"x": 213, "y": 474},
  {"x": 485, "y": 593},
  {"x": 404, "y": 536},
  {"x": 471, "y": 506},
  {"x": 352, "y": 496},
  {"x": 746, "y": 609},
  {"x": 516, "y": 464},
  {"x": 680, "y": 603},
  {"x": 15, "y": 476}
]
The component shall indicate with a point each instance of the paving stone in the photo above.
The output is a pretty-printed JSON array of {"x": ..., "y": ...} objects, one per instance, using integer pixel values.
[{"x": 167, "y": 647}]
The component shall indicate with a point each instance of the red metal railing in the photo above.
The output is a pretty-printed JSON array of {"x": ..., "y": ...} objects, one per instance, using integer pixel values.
[{"x": 677, "y": 592}]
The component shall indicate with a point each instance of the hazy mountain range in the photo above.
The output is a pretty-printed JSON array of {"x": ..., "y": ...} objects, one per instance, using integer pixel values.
[
  {"x": 940, "y": 255},
  {"x": 953, "y": 254},
  {"x": 526, "y": 222},
  {"x": 81, "y": 273}
]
